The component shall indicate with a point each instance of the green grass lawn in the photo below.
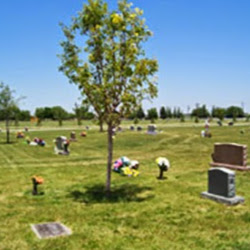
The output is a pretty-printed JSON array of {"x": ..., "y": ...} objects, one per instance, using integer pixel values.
[{"x": 142, "y": 213}]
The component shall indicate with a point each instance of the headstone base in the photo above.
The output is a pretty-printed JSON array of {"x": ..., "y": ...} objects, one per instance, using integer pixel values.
[
  {"x": 234, "y": 167},
  {"x": 151, "y": 133},
  {"x": 229, "y": 201}
]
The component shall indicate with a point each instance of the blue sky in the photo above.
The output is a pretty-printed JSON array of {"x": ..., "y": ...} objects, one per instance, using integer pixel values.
[{"x": 203, "y": 49}]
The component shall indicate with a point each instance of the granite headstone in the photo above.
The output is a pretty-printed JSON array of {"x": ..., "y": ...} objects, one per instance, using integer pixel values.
[{"x": 221, "y": 186}]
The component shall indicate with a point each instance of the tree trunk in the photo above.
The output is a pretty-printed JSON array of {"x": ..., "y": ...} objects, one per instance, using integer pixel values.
[
  {"x": 110, "y": 157},
  {"x": 101, "y": 126},
  {"x": 7, "y": 131},
  {"x": 79, "y": 121},
  {"x": 60, "y": 122}
]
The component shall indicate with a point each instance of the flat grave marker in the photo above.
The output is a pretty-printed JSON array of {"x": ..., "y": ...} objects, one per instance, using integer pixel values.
[{"x": 50, "y": 229}]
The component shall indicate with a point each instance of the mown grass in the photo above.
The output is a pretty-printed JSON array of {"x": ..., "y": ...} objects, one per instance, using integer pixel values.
[{"x": 142, "y": 212}]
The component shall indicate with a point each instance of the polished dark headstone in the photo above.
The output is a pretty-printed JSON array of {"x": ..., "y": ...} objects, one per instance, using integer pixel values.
[
  {"x": 48, "y": 230},
  {"x": 221, "y": 186},
  {"x": 221, "y": 181}
]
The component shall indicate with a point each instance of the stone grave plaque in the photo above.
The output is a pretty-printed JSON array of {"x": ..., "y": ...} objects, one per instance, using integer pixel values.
[
  {"x": 132, "y": 128},
  {"x": 221, "y": 186},
  {"x": 51, "y": 229}
]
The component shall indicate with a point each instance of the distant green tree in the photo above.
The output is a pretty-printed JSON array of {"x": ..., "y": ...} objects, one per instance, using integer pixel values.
[
  {"x": 179, "y": 113},
  {"x": 163, "y": 113},
  {"x": 174, "y": 114},
  {"x": 140, "y": 113},
  {"x": 59, "y": 114},
  {"x": 40, "y": 115},
  {"x": 152, "y": 114},
  {"x": 234, "y": 112},
  {"x": 48, "y": 113},
  {"x": 200, "y": 112},
  {"x": 182, "y": 117},
  {"x": 169, "y": 112},
  {"x": 79, "y": 113},
  {"x": 16, "y": 114},
  {"x": 8, "y": 104},
  {"x": 25, "y": 115},
  {"x": 218, "y": 113},
  {"x": 82, "y": 113}
]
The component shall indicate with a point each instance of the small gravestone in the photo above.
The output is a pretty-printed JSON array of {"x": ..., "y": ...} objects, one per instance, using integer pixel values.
[
  {"x": 73, "y": 136},
  {"x": 61, "y": 145},
  {"x": 230, "y": 124},
  {"x": 119, "y": 129},
  {"x": 221, "y": 186},
  {"x": 139, "y": 128},
  {"x": 132, "y": 128},
  {"x": 49, "y": 230},
  {"x": 152, "y": 129}
]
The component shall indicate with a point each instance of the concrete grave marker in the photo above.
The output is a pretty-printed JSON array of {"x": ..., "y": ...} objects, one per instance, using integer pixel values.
[
  {"x": 51, "y": 229},
  {"x": 221, "y": 186},
  {"x": 230, "y": 155}
]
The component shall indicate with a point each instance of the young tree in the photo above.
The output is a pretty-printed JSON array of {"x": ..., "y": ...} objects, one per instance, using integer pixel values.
[
  {"x": 117, "y": 75},
  {"x": 81, "y": 112},
  {"x": 8, "y": 105}
]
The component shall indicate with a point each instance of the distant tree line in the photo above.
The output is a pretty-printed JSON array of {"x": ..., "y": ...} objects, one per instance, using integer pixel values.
[
  {"x": 81, "y": 112},
  {"x": 232, "y": 112}
]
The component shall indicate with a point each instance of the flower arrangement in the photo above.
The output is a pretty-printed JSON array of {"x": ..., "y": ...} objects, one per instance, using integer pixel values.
[{"x": 36, "y": 181}]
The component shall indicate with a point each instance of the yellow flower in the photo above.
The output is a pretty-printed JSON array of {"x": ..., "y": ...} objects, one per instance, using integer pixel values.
[
  {"x": 91, "y": 58},
  {"x": 138, "y": 11},
  {"x": 97, "y": 27},
  {"x": 116, "y": 18},
  {"x": 132, "y": 16}
]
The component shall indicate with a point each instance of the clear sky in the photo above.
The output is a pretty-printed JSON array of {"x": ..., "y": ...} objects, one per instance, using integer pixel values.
[{"x": 203, "y": 49}]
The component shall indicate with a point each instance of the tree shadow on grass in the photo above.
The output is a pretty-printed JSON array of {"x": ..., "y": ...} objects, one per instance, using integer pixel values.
[{"x": 123, "y": 193}]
